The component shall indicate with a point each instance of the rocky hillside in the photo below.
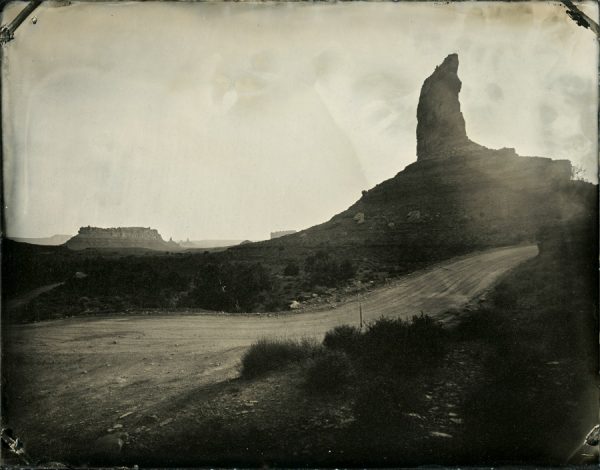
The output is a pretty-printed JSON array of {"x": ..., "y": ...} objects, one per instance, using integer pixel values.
[
  {"x": 120, "y": 237},
  {"x": 458, "y": 195}
]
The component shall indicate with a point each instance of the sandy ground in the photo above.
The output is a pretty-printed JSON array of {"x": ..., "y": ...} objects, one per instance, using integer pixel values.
[{"x": 78, "y": 376}]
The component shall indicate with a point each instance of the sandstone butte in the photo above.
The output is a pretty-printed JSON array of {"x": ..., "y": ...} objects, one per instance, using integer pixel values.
[
  {"x": 457, "y": 197},
  {"x": 120, "y": 237}
]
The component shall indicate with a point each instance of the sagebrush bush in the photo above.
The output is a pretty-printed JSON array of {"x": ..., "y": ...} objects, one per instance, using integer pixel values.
[
  {"x": 483, "y": 325},
  {"x": 344, "y": 338},
  {"x": 325, "y": 270},
  {"x": 403, "y": 346},
  {"x": 267, "y": 355},
  {"x": 329, "y": 373},
  {"x": 229, "y": 286},
  {"x": 291, "y": 269}
]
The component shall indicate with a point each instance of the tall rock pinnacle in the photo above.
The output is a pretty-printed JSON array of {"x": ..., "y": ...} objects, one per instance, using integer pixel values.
[{"x": 440, "y": 123}]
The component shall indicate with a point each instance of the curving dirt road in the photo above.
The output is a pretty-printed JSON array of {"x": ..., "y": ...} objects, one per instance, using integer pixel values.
[{"x": 78, "y": 375}]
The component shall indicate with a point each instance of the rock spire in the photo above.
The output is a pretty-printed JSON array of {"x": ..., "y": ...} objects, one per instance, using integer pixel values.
[{"x": 440, "y": 123}]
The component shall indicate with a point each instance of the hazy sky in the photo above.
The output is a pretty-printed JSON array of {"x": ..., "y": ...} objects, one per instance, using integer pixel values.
[{"x": 213, "y": 120}]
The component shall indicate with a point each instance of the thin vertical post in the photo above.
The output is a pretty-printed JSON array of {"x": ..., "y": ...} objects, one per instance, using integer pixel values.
[{"x": 360, "y": 314}]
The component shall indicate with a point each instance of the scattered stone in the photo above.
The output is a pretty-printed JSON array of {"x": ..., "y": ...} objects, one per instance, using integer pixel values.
[
  {"x": 413, "y": 216},
  {"x": 55, "y": 465},
  {"x": 148, "y": 419},
  {"x": 109, "y": 445},
  {"x": 359, "y": 218},
  {"x": 440, "y": 434}
]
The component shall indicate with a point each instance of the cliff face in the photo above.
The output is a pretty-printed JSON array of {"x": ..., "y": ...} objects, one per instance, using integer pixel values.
[
  {"x": 458, "y": 195},
  {"x": 119, "y": 237}
]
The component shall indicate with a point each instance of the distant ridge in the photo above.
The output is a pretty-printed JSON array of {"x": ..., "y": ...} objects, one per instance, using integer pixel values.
[
  {"x": 281, "y": 233},
  {"x": 54, "y": 240},
  {"x": 218, "y": 243}
]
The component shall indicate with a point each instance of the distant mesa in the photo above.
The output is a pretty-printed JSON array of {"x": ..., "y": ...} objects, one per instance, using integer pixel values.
[
  {"x": 120, "y": 237},
  {"x": 281, "y": 233}
]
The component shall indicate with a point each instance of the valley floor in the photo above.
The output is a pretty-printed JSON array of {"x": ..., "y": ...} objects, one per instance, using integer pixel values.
[{"x": 82, "y": 388}]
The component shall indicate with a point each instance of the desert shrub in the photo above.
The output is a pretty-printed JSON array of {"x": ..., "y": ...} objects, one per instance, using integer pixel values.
[
  {"x": 343, "y": 338},
  {"x": 291, "y": 269},
  {"x": 232, "y": 287},
  {"x": 518, "y": 398},
  {"x": 479, "y": 325},
  {"x": 267, "y": 355},
  {"x": 402, "y": 346},
  {"x": 325, "y": 270},
  {"x": 329, "y": 373},
  {"x": 346, "y": 270},
  {"x": 392, "y": 344}
]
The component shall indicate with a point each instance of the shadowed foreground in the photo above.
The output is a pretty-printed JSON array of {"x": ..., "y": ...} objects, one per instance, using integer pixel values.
[{"x": 76, "y": 377}]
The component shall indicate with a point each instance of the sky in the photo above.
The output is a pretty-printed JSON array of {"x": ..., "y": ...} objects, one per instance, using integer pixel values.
[{"x": 232, "y": 120}]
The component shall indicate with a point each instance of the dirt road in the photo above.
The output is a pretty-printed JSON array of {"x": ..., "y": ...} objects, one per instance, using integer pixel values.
[{"x": 72, "y": 379}]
